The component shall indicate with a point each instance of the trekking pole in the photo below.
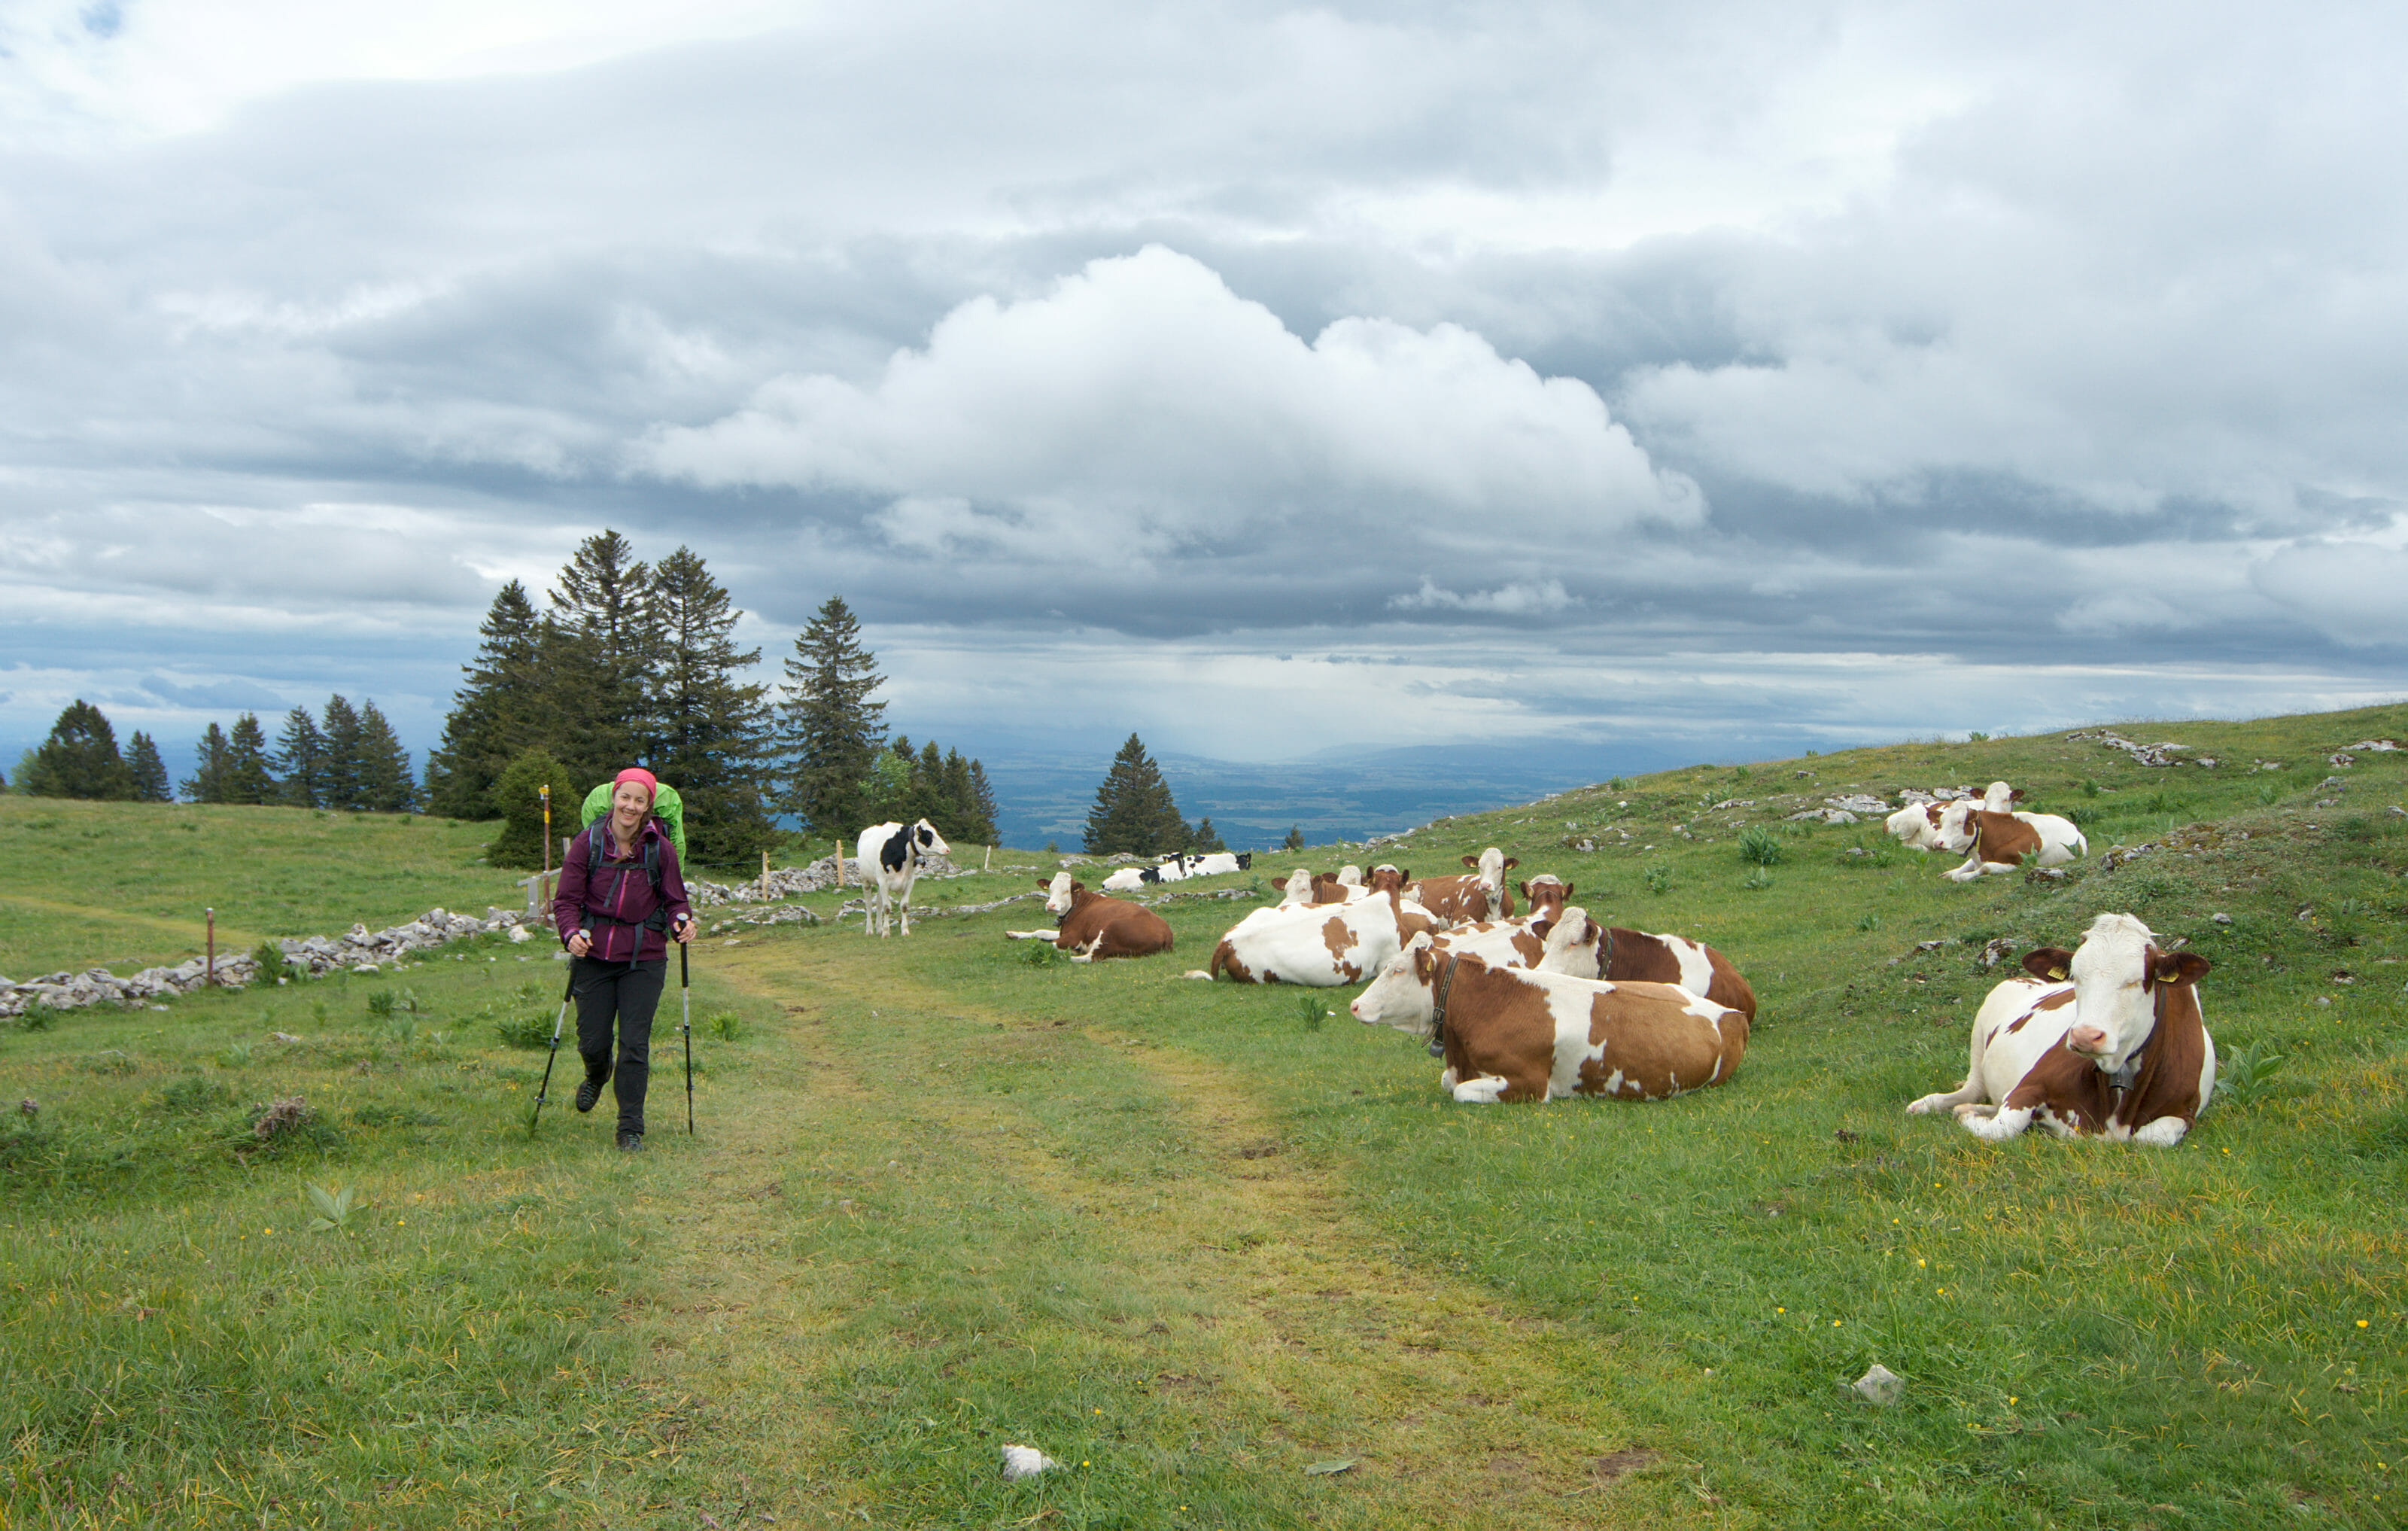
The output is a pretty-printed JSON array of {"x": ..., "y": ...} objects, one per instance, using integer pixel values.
[
  {"x": 685, "y": 1024},
  {"x": 544, "y": 1088}
]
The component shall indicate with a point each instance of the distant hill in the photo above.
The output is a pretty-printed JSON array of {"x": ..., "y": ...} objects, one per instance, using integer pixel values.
[{"x": 1338, "y": 795}]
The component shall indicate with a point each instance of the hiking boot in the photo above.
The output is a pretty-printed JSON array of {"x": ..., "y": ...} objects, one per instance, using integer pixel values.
[
  {"x": 588, "y": 1093},
  {"x": 631, "y": 1142}
]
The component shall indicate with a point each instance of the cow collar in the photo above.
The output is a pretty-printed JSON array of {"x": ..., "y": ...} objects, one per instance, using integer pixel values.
[{"x": 1438, "y": 1008}]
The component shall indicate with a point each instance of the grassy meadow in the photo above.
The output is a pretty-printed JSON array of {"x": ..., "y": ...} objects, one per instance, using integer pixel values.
[{"x": 1198, "y": 1242}]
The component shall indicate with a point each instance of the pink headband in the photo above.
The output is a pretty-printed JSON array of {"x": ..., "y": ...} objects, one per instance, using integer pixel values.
[{"x": 638, "y": 774}]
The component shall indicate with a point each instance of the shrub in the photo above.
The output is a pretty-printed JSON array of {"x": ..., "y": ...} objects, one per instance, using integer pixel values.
[
  {"x": 380, "y": 1003},
  {"x": 1309, "y": 1011},
  {"x": 1038, "y": 953},
  {"x": 1658, "y": 877},
  {"x": 1761, "y": 845},
  {"x": 2245, "y": 1074},
  {"x": 37, "y": 1018},
  {"x": 273, "y": 964},
  {"x": 726, "y": 1025},
  {"x": 524, "y": 1030},
  {"x": 1758, "y": 879}
]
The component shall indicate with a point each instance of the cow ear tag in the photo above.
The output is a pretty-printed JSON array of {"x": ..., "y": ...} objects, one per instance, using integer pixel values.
[{"x": 2057, "y": 972}]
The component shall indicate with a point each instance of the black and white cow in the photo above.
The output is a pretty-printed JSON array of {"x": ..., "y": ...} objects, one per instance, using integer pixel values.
[{"x": 891, "y": 856}]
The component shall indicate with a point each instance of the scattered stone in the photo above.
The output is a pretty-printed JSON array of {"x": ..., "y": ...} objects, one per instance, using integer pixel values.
[
  {"x": 2378, "y": 746},
  {"x": 1825, "y": 816},
  {"x": 2221, "y": 919},
  {"x": 2341, "y": 759},
  {"x": 2124, "y": 855},
  {"x": 1021, "y": 1461},
  {"x": 2147, "y": 755},
  {"x": 1998, "y": 949},
  {"x": 1859, "y": 804},
  {"x": 1879, "y": 1385}
]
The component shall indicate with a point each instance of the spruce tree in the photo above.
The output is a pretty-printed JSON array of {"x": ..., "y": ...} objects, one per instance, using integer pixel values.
[
  {"x": 208, "y": 782},
  {"x": 1206, "y": 838},
  {"x": 247, "y": 776},
  {"x": 709, "y": 733},
  {"x": 149, "y": 772},
  {"x": 964, "y": 800},
  {"x": 982, "y": 799},
  {"x": 505, "y": 707},
  {"x": 1134, "y": 811},
  {"x": 300, "y": 761},
  {"x": 385, "y": 782},
  {"x": 829, "y": 727},
  {"x": 1294, "y": 840},
  {"x": 596, "y": 654},
  {"x": 79, "y": 758},
  {"x": 518, "y": 796},
  {"x": 344, "y": 771}
]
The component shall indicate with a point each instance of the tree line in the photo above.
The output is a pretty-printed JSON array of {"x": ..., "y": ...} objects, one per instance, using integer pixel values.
[
  {"x": 352, "y": 761},
  {"x": 627, "y": 663},
  {"x": 631, "y": 663}
]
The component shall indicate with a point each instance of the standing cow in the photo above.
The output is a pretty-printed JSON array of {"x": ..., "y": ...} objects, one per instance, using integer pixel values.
[{"x": 891, "y": 856}]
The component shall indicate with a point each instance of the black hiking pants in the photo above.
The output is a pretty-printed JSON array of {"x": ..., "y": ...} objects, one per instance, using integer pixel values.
[{"x": 615, "y": 992}]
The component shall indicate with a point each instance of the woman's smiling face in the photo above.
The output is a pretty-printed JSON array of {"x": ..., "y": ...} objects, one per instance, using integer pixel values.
[{"x": 628, "y": 803}]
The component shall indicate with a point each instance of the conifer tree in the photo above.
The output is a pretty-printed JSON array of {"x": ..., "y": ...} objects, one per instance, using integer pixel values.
[
  {"x": 518, "y": 796},
  {"x": 1206, "y": 838},
  {"x": 385, "y": 783},
  {"x": 247, "y": 776},
  {"x": 596, "y": 653},
  {"x": 709, "y": 733},
  {"x": 300, "y": 761},
  {"x": 79, "y": 758},
  {"x": 829, "y": 727},
  {"x": 983, "y": 798},
  {"x": 343, "y": 770},
  {"x": 1134, "y": 811},
  {"x": 208, "y": 782},
  {"x": 149, "y": 772},
  {"x": 502, "y": 710},
  {"x": 1294, "y": 840}
]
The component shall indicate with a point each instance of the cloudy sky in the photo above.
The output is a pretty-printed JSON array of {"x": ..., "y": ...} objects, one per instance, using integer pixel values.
[{"x": 1258, "y": 378}]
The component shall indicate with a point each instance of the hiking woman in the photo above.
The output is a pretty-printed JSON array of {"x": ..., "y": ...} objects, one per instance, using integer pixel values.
[{"x": 620, "y": 893}]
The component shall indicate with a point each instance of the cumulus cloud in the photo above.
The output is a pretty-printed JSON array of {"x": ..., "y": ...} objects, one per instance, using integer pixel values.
[{"x": 1141, "y": 407}]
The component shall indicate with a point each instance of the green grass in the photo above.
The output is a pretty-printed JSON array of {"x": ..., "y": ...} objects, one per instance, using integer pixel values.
[
  {"x": 1192, "y": 1239},
  {"x": 124, "y": 885}
]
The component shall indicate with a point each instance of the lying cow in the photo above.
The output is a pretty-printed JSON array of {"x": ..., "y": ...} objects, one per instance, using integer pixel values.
[
  {"x": 1089, "y": 925},
  {"x": 1916, "y": 826},
  {"x": 1214, "y": 863},
  {"x": 1565, "y": 940},
  {"x": 1998, "y": 842},
  {"x": 1516, "y": 1034},
  {"x": 1477, "y": 895},
  {"x": 891, "y": 856},
  {"x": 1319, "y": 945},
  {"x": 1627, "y": 955},
  {"x": 2106, "y": 1041}
]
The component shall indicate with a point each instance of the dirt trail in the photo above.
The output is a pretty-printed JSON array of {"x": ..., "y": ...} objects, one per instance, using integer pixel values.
[{"x": 1277, "y": 1307}]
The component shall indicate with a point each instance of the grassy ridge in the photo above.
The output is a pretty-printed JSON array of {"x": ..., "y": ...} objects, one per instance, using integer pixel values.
[
  {"x": 950, "y": 1193},
  {"x": 124, "y": 885}
]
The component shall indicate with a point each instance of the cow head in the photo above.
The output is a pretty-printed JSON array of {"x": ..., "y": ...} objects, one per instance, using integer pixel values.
[
  {"x": 928, "y": 841},
  {"x": 1572, "y": 940},
  {"x": 1351, "y": 874},
  {"x": 1245, "y": 860},
  {"x": 1402, "y": 993},
  {"x": 2116, "y": 974},
  {"x": 1299, "y": 886},
  {"x": 1957, "y": 829},
  {"x": 1545, "y": 893},
  {"x": 1492, "y": 865},
  {"x": 1389, "y": 879},
  {"x": 1061, "y": 893}
]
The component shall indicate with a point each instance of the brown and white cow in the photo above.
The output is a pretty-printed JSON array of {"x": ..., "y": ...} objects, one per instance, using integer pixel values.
[
  {"x": 1517, "y": 1035},
  {"x": 1319, "y": 945},
  {"x": 1089, "y": 925},
  {"x": 1627, "y": 955},
  {"x": 1479, "y": 894},
  {"x": 1998, "y": 842},
  {"x": 1564, "y": 940},
  {"x": 1917, "y": 824},
  {"x": 2105, "y": 1041}
]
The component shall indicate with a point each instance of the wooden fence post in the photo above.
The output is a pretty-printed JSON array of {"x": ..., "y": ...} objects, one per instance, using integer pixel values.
[{"x": 209, "y": 971}]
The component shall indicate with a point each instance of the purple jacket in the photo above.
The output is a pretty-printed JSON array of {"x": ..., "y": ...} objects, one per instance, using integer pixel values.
[{"x": 610, "y": 901}]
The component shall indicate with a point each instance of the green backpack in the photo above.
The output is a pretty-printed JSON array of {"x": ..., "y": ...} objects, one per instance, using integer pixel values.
[{"x": 667, "y": 808}]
